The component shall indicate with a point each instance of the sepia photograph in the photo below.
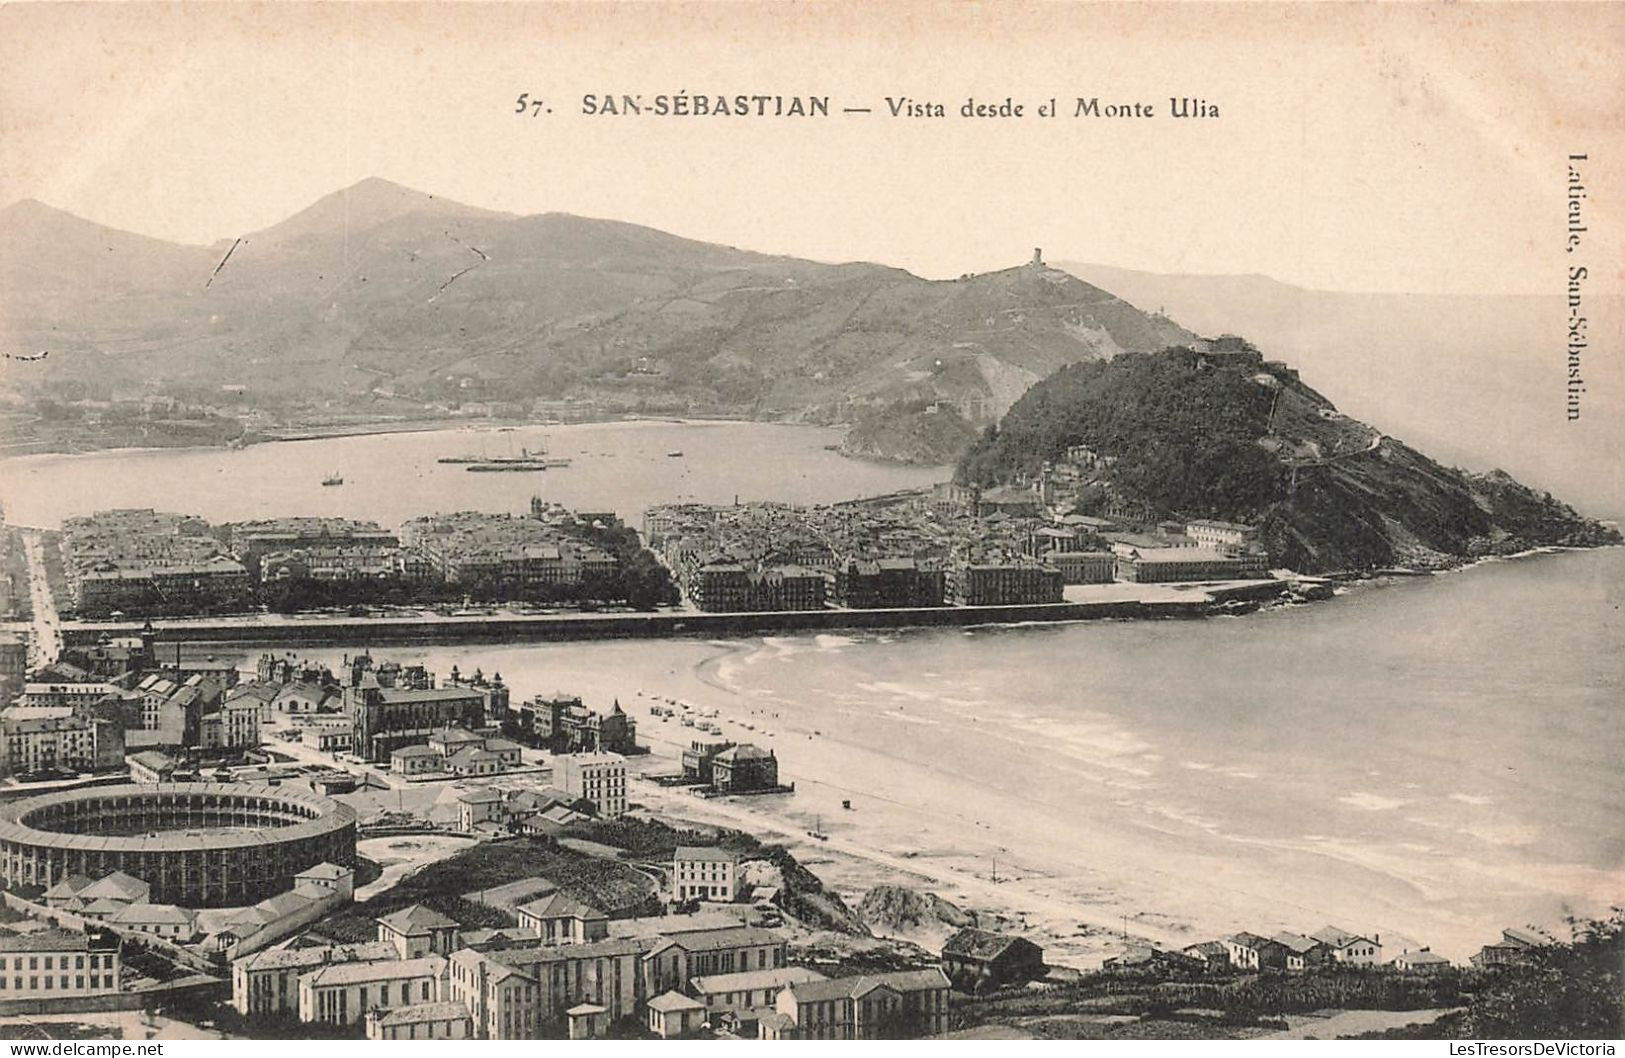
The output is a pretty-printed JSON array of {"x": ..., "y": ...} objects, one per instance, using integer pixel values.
[{"x": 768, "y": 520}]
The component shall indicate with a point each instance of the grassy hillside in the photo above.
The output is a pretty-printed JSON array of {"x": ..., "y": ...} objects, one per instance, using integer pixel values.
[
  {"x": 379, "y": 288},
  {"x": 1226, "y": 434}
]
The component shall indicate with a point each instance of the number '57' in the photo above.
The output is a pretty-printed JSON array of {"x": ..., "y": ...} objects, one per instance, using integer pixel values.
[{"x": 524, "y": 102}]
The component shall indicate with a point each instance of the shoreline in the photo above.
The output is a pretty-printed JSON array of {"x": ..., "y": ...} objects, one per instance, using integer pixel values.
[
  {"x": 1158, "y": 602},
  {"x": 382, "y": 429},
  {"x": 1203, "y": 600}
]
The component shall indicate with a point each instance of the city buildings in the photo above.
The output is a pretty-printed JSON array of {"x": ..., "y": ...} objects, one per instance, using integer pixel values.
[
  {"x": 907, "y": 1003},
  {"x": 1013, "y": 545},
  {"x": 253, "y": 541},
  {"x": 675, "y": 960},
  {"x": 1083, "y": 567},
  {"x": 13, "y": 664},
  {"x": 979, "y": 961},
  {"x": 508, "y": 556},
  {"x": 344, "y": 993},
  {"x": 159, "y": 920},
  {"x": 147, "y": 562},
  {"x": 1420, "y": 961},
  {"x": 1349, "y": 948},
  {"x": 699, "y": 758},
  {"x": 561, "y": 919},
  {"x": 56, "y": 738},
  {"x": 475, "y": 808},
  {"x": 747, "y": 994},
  {"x": 744, "y": 769},
  {"x": 727, "y": 587},
  {"x": 562, "y": 723},
  {"x": 597, "y": 778},
  {"x": 455, "y": 751},
  {"x": 267, "y": 982},
  {"x": 1302, "y": 953},
  {"x": 1249, "y": 951},
  {"x": 385, "y": 719},
  {"x": 1226, "y": 537},
  {"x": 1003, "y": 584},
  {"x": 1156, "y": 565},
  {"x": 420, "y": 1021},
  {"x": 672, "y": 1015},
  {"x": 877, "y": 583},
  {"x": 526, "y": 991},
  {"x": 705, "y": 873},
  {"x": 58, "y": 964},
  {"x": 417, "y": 931}
]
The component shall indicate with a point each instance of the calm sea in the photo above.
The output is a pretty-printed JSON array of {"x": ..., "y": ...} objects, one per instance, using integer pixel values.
[
  {"x": 1432, "y": 758},
  {"x": 621, "y": 467}
]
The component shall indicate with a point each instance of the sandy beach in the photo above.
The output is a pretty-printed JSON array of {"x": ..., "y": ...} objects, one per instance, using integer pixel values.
[
  {"x": 1182, "y": 780},
  {"x": 974, "y": 857}
]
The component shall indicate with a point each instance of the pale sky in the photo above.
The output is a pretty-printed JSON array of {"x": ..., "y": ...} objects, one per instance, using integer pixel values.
[{"x": 1406, "y": 148}]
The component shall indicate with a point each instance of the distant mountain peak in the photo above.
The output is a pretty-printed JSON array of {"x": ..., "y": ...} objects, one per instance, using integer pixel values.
[
  {"x": 31, "y": 211},
  {"x": 363, "y": 205}
]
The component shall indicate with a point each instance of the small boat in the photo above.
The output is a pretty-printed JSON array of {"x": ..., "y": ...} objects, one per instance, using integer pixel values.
[
  {"x": 675, "y": 453},
  {"x": 332, "y": 479}
]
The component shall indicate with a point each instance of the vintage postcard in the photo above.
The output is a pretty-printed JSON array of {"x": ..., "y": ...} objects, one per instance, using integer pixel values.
[{"x": 787, "y": 521}]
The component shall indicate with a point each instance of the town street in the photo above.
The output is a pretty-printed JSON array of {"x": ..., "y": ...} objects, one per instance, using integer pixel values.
[{"x": 45, "y": 644}]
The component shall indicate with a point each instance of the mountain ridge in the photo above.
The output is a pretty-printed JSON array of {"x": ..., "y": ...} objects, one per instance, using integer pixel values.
[
  {"x": 382, "y": 288},
  {"x": 1224, "y": 434}
]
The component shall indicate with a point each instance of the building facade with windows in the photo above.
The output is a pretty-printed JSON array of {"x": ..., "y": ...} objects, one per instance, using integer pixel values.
[
  {"x": 705, "y": 873},
  {"x": 599, "y": 778},
  {"x": 343, "y": 994},
  {"x": 57, "y": 964}
]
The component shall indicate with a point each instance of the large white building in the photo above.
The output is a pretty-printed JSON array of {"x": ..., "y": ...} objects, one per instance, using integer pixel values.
[
  {"x": 1221, "y": 536},
  {"x": 344, "y": 993},
  {"x": 57, "y": 964},
  {"x": 421, "y": 1021},
  {"x": 37, "y": 738},
  {"x": 1350, "y": 948},
  {"x": 267, "y": 982},
  {"x": 599, "y": 778},
  {"x": 705, "y": 873}
]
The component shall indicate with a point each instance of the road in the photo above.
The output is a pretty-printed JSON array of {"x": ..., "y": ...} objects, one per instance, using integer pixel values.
[{"x": 45, "y": 640}]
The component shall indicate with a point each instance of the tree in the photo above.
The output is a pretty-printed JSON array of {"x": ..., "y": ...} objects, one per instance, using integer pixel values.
[{"x": 1562, "y": 991}]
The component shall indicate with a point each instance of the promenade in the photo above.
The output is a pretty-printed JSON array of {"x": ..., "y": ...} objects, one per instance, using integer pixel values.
[{"x": 1113, "y": 601}]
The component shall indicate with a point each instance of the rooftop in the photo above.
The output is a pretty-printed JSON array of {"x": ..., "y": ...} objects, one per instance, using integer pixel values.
[
  {"x": 667, "y": 1002},
  {"x": 47, "y": 940},
  {"x": 1297, "y": 943},
  {"x": 854, "y": 987},
  {"x": 978, "y": 944},
  {"x": 155, "y": 915},
  {"x": 416, "y": 919},
  {"x": 706, "y": 853},
  {"x": 294, "y": 958},
  {"x": 715, "y": 939},
  {"x": 752, "y": 980},
  {"x": 1335, "y": 936},
  {"x": 418, "y": 1013},
  {"x": 383, "y": 970},
  {"x": 561, "y": 905}
]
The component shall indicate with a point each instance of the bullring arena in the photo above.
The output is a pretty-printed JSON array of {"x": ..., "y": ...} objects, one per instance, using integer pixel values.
[{"x": 195, "y": 844}]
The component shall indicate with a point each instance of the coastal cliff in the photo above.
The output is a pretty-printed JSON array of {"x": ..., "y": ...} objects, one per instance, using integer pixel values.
[{"x": 1224, "y": 434}]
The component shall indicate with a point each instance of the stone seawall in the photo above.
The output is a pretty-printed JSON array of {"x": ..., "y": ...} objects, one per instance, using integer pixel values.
[{"x": 510, "y": 628}]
